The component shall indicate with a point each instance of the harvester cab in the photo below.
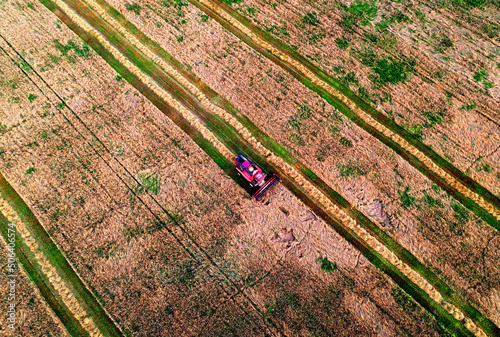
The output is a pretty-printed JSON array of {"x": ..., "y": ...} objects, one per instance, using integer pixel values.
[{"x": 254, "y": 175}]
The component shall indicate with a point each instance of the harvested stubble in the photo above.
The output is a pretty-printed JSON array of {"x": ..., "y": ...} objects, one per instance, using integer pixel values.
[
  {"x": 363, "y": 115},
  {"x": 285, "y": 167}
]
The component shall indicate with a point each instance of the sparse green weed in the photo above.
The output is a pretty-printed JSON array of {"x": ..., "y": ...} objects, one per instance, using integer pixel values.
[
  {"x": 350, "y": 170},
  {"x": 406, "y": 199},
  {"x": 311, "y": 19},
  {"x": 133, "y": 7},
  {"x": 342, "y": 43},
  {"x": 326, "y": 265},
  {"x": 149, "y": 183},
  {"x": 30, "y": 170}
]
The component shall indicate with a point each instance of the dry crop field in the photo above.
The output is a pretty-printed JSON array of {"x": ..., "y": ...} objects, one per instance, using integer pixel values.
[
  {"x": 164, "y": 239},
  {"x": 384, "y": 186},
  {"x": 449, "y": 97}
]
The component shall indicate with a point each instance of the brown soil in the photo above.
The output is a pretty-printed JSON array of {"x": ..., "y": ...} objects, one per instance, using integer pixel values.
[{"x": 154, "y": 276}]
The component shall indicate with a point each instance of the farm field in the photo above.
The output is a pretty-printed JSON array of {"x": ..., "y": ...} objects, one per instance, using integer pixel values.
[
  {"x": 431, "y": 217},
  {"x": 121, "y": 147}
]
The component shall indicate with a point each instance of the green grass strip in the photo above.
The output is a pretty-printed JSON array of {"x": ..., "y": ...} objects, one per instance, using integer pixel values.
[
  {"x": 388, "y": 123},
  {"x": 233, "y": 140}
]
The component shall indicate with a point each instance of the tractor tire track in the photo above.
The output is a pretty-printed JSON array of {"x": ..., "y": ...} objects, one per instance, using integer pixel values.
[
  {"x": 470, "y": 193},
  {"x": 293, "y": 178}
]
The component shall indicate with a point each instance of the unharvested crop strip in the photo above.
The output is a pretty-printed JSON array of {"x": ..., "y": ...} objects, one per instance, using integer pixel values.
[
  {"x": 471, "y": 194},
  {"x": 180, "y": 78},
  {"x": 360, "y": 232}
]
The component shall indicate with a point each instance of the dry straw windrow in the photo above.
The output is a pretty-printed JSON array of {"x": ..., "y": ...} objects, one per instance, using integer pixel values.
[
  {"x": 319, "y": 196},
  {"x": 155, "y": 87},
  {"x": 48, "y": 269},
  {"x": 450, "y": 180}
]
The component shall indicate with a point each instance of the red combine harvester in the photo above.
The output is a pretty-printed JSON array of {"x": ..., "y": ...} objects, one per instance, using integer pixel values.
[{"x": 254, "y": 175}]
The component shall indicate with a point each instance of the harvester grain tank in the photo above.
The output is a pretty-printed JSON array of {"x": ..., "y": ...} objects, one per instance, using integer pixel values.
[{"x": 254, "y": 175}]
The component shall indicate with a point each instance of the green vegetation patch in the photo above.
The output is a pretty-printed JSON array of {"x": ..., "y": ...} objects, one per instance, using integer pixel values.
[
  {"x": 348, "y": 79},
  {"x": 14, "y": 100},
  {"x": 30, "y": 170},
  {"x": 327, "y": 265},
  {"x": 9, "y": 83},
  {"x": 387, "y": 70},
  {"x": 277, "y": 31},
  {"x": 406, "y": 199},
  {"x": 468, "y": 106},
  {"x": 346, "y": 142},
  {"x": 231, "y": 2},
  {"x": 342, "y": 43},
  {"x": 310, "y": 19},
  {"x": 133, "y": 7},
  {"x": 392, "y": 71},
  {"x": 315, "y": 38},
  {"x": 350, "y": 170},
  {"x": 444, "y": 44},
  {"x": 461, "y": 214},
  {"x": 80, "y": 51},
  {"x": 397, "y": 17},
  {"x": 485, "y": 167},
  {"x": 362, "y": 12},
  {"x": 24, "y": 65},
  {"x": 482, "y": 76},
  {"x": 304, "y": 111},
  {"x": 434, "y": 117},
  {"x": 149, "y": 183},
  {"x": 178, "y": 4},
  {"x": 367, "y": 57},
  {"x": 432, "y": 202},
  {"x": 468, "y": 4},
  {"x": 31, "y": 97}
]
